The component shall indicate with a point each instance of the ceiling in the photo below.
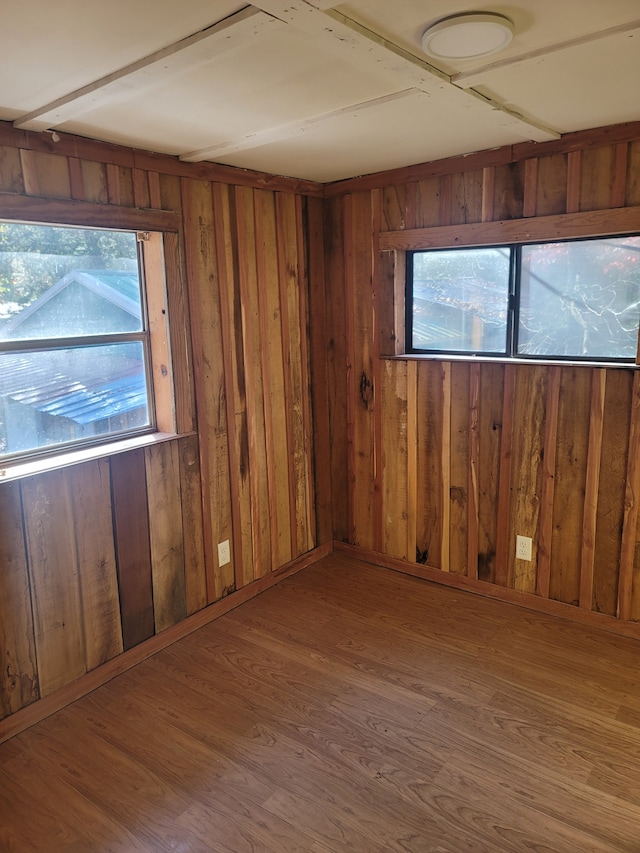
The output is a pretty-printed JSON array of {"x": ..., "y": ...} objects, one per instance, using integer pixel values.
[{"x": 310, "y": 89}]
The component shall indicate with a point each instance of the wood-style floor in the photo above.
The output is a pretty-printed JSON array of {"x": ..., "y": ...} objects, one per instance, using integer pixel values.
[{"x": 349, "y": 708}]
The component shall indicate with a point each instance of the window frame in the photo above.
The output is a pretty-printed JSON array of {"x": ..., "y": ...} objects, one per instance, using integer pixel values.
[
  {"x": 152, "y": 227},
  {"x": 513, "y": 305},
  {"x": 393, "y": 247}
]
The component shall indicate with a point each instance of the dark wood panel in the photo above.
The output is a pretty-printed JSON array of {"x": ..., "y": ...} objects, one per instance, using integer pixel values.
[
  {"x": 18, "y": 674},
  {"x": 133, "y": 555}
]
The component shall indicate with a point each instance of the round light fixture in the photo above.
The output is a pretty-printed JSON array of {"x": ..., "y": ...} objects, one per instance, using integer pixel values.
[{"x": 467, "y": 36}]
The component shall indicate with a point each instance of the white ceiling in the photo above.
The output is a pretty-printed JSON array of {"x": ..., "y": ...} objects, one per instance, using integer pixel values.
[{"x": 311, "y": 89}]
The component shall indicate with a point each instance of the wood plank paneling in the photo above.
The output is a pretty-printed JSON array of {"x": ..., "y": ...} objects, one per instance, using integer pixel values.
[
  {"x": 133, "y": 555},
  {"x": 138, "y": 531},
  {"x": 490, "y": 401},
  {"x": 209, "y": 368},
  {"x": 91, "y": 503},
  {"x": 53, "y": 564},
  {"x": 166, "y": 535},
  {"x": 459, "y": 469},
  {"x": 18, "y": 672},
  {"x": 570, "y": 484}
]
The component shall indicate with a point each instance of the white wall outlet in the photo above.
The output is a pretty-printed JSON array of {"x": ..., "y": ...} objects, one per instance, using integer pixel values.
[
  {"x": 523, "y": 548},
  {"x": 224, "y": 553}
]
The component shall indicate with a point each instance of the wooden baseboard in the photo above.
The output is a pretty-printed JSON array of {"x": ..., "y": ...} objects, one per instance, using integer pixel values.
[
  {"x": 489, "y": 590},
  {"x": 42, "y": 708}
]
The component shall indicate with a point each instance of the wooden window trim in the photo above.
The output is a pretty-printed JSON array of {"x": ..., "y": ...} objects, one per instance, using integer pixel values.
[{"x": 393, "y": 246}]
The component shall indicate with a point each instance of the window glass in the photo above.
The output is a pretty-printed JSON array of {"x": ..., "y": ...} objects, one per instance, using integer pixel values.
[
  {"x": 460, "y": 300},
  {"x": 73, "y": 338},
  {"x": 580, "y": 299}
]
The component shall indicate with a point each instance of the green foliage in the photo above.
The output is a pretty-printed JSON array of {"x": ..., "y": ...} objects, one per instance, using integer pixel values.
[{"x": 34, "y": 257}]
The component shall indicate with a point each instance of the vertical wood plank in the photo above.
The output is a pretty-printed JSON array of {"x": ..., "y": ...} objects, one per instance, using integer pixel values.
[
  {"x": 195, "y": 575},
  {"x": 611, "y": 494},
  {"x": 551, "y": 197},
  {"x": 458, "y": 497},
  {"x": 526, "y": 473},
  {"x": 395, "y": 450},
  {"x": 90, "y": 486},
  {"x": 377, "y": 381},
  {"x": 45, "y": 174},
  {"x": 596, "y": 177},
  {"x": 474, "y": 459},
  {"x": 53, "y": 564},
  {"x": 308, "y": 527},
  {"x": 252, "y": 348},
  {"x": 574, "y": 168},
  {"x": 234, "y": 383},
  {"x": 180, "y": 335},
  {"x": 570, "y": 484},
  {"x": 504, "y": 480},
  {"x": 446, "y": 194},
  {"x": 76, "y": 178},
  {"x": 430, "y": 428},
  {"x": 619, "y": 181},
  {"x": 165, "y": 534},
  {"x": 94, "y": 182},
  {"x": 334, "y": 231},
  {"x": 209, "y": 380},
  {"x": 362, "y": 393},
  {"x": 490, "y": 429},
  {"x": 592, "y": 485},
  {"x": 318, "y": 343},
  {"x": 18, "y": 671},
  {"x": 140, "y": 188},
  {"x": 630, "y": 518},
  {"x": 530, "y": 187},
  {"x": 156, "y": 289},
  {"x": 113, "y": 184},
  {"x": 11, "y": 170},
  {"x": 545, "y": 537},
  {"x": 488, "y": 192},
  {"x": 427, "y": 203},
  {"x": 445, "y": 450},
  {"x": 508, "y": 191},
  {"x": 133, "y": 555},
  {"x": 276, "y": 433}
]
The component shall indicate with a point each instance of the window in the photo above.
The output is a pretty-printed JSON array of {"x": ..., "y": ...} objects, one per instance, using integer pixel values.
[
  {"x": 74, "y": 338},
  {"x": 575, "y": 299}
]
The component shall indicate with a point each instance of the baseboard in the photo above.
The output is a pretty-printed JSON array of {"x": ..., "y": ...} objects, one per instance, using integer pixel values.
[
  {"x": 42, "y": 708},
  {"x": 489, "y": 590}
]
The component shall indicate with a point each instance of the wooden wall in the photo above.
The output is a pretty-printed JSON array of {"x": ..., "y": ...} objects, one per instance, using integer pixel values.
[
  {"x": 99, "y": 556},
  {"x": 437, "y": 464}
]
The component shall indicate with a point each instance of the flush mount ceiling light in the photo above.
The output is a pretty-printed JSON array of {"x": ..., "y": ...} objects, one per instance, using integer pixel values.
[{"x": 467, "y": 36}]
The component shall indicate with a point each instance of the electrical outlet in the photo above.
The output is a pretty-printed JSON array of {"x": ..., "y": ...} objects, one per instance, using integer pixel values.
[
  {"x": 224, "y": 553},
  {"x": 523, "y": 548}
]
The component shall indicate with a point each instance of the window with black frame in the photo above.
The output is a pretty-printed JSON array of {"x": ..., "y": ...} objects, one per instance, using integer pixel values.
[
  {"x": 74, "y": 338},
  {"x": 571, "y": 299}
]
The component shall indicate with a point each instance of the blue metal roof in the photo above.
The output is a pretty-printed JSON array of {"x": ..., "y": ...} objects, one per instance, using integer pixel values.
[{"x": 36, "y": 385}]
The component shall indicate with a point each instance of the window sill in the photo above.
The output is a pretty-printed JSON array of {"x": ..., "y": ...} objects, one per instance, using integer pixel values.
[
  {"x": 493, "y": 359},
  {"x": 28, "y": 468}
]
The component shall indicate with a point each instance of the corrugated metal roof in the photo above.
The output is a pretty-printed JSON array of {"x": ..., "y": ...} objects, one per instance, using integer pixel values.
[{"x": 53, "y": 392}]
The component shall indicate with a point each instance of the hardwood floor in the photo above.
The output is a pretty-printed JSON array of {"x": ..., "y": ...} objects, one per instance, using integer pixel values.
[{"x": 349, "y": 708}]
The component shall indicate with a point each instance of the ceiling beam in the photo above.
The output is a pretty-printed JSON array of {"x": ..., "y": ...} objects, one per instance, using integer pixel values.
[
  {"x": 289, "y": 130},
  {"x": 222, "y": 36},
  {"x": 467, "y": 79},
  {"x": 357, "y": 44}
]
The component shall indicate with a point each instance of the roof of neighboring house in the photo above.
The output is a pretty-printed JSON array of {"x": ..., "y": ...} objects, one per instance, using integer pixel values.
[
  {"x": 120, "y": 287},
  {"x": 55, "y": 393}
]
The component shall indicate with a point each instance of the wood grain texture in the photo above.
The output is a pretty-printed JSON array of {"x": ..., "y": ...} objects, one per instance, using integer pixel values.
[
  {"x": 166, "y": 535},
  {"x": 53, "y": 565},
  {"x": 380, "y": 698},
  {"x": 195, "y": 577},
  {"x": 92, "y": 511},
  {"x": 209, "y": 375},
  {"x": 18, "y": 673},
  {"x": 133, "y": 555}
]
